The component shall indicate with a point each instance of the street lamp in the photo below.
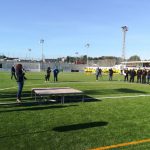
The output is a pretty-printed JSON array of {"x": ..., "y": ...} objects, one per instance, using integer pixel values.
[
  {"x": 76, "y": 56},
  {"x": 42, "y": 42},
  {"x": 87, "y": 46},
  {"x": 29, "y": 49}
]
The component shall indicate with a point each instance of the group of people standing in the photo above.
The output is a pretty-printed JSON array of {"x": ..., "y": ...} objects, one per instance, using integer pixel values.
[
  {"x": 48, "y": 74},
  {"x": 142, "y": 75},
  {"x": 98, "y": 73}
]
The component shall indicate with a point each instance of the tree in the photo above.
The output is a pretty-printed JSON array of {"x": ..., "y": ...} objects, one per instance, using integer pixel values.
[
  {"x": 2, "y": 56},
  {"x": 134, "y": 58}
]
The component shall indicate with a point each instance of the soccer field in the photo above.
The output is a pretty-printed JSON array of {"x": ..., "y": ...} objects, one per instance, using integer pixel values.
[{"x": 115, "y": 114}]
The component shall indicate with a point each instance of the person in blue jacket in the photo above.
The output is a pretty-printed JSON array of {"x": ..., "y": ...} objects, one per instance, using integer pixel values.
[{"x": 55, "y": 71}]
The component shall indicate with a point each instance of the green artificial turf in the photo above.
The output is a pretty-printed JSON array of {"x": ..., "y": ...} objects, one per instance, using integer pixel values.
[{"x": 107, "y": 117}]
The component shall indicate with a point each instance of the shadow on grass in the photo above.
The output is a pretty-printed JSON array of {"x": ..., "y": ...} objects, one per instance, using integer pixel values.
[
  {"x": 113, "y": 91},
  {"x": 75, "y": 98},
  {"x": 13, "y": 94},
  {"x": 35, "y": 108},
  {"x": 8, "y": 100},
  {"x": 79, "y": 126},
  {"x": 126, "y": 90},
  {"x": 26, "y": 97}
]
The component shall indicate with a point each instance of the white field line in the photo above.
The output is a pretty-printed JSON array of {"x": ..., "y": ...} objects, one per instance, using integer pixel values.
[
  {"x": 107, "y": 97},
  {"x": 50, "y": 83},
  {"x": 16, "y": 86},
  {"x": 8, "y": 88},
  {"x": 100, "y": 98},
  {"x": 118, "y": 97}
]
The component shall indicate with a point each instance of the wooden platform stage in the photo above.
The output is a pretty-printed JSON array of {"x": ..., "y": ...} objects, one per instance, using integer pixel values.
[{"x": 57, "y": 91}]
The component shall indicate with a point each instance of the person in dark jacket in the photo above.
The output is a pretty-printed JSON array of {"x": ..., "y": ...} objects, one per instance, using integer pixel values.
[
  {"x": 13, "y": 72},
  {"x": 97, "y": 73},
  {"x": 55, "y": 71},
  {"x": 144, "y": 74},
  {"x": 139, "y": 75},
  {"x": 110, "y": 72},
  {"x": 132, "y": 75},
  {"x": 48, "y": 72},
  {"x": 20, "y": 81},
  {"x": 126, "y": 74},
  {"x": 148, "y": 76}
]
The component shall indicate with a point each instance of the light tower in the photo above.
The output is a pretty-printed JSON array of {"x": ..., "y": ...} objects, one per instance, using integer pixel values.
[
  {"x": 124, "y": 30},
  {"x": 42, "y": 61},
  {"x": 76, "y": 57},
  {"x": 87, "y": 46},
  {"x": 29, "y": 49},
  {"x": 42, "y": 42}
]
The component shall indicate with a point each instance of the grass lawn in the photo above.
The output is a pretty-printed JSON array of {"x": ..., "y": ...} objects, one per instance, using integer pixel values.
[{"x": 114, "y": 112}]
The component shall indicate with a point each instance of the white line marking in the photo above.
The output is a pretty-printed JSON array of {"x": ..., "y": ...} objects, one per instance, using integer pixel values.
[
  {"x": 114, "y": 97},
  {"x": 8, "y": 88},
  {"x": 16, "y": 86},
  {"x": 50, "y": 83}
]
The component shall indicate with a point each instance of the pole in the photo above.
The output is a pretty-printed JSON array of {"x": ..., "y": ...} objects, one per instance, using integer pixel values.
[
  {"x": 29, "y": 53},
  {"x": 76, "y": 56},
  {"x": 87, "y": 46},
  {"x": 42, "y": 42},
  {"x": 124, "y": 29}
]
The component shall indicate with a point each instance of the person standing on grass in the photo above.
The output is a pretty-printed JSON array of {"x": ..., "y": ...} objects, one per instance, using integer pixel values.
[
  {"x": 126, "y": 74},
  {"x": 48, "y": 72},
  {"x": 148, "y": 76},
  {"x": 132, "y": 75},
  {"x": 144, "y": 74},
  {"x": 139, "y": 75},
  {"x": 100, "y": 72},
  {"x": 55, "y": 71},
  {"x": 20, "y": 81},
  {"x": 110, "y": 74},
  {"x": 97, "y": 73},
  {"x": 13, "y": 72}
]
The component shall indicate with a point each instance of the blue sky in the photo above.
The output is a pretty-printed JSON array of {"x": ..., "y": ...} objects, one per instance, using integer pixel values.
[{"x": 68, "y": 25}]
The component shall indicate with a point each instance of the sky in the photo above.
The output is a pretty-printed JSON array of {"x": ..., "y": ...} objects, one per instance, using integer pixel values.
[{"x": 66, "y": 26}]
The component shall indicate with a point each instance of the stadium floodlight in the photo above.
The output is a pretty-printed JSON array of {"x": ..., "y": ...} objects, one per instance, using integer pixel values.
[
  {"x": 76, "y": 56},
  {"x": 87, "y": 46},
  {"x": 29, "y": 49},
  {"x": 42, "y": 42},
  {"x": 124, "y": 30}
]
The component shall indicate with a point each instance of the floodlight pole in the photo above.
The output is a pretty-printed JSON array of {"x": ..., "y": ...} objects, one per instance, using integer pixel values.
[
  {"x": 124, "y": 30},
  {"x": 87, "y": 46},
  {"x": 42, "y": 42},
  {"x": 29, "y": 53},
  {"x": 76, "y": 56}
]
